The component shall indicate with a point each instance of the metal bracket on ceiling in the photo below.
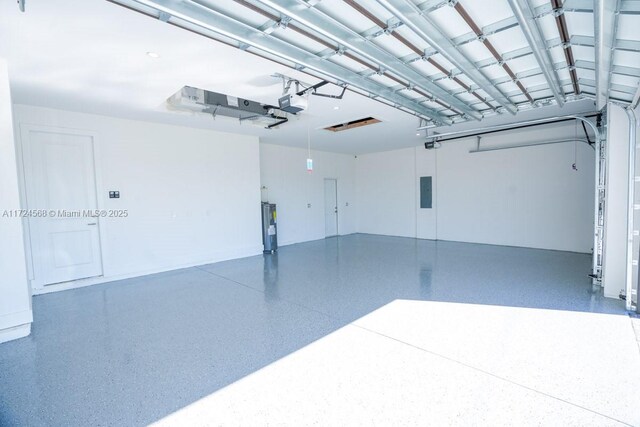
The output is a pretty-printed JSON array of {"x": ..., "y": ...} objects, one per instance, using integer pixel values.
[
  {"x": 21, "y": 5},
  {"x": 283, "y": 22},
  {"x": 271, "y": 26},
  {"x": 164, "y": 16},
  {"x": 428, "y": 53},
  {"x": 326, "y": 95},
  {"x": 452, "y": 3}
]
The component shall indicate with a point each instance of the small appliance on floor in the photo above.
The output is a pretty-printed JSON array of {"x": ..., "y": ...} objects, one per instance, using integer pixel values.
[{"x": 269, "y": 227}]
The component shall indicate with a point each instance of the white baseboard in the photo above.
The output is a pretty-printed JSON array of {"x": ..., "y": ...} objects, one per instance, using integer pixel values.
[
  {"x": 246, "y": 252},
  {"x": 11, "y": 320},
  {"x": 315, "y": 239},
  {"x": 220, "y": 257},
  {"x": 15, "y": 333}
]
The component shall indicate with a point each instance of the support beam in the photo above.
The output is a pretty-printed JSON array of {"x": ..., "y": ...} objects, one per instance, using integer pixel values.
[
  {"x": 420, "y": 23},
  {"x": 561, "y": 23},
  {"x": 211, "y": 20},
  {"x": 419, "y": 53},
  {"x": 485, "y": 41},
  {"x": 317, "y": 21},
  {"x": 604, "y": 14},
  {"x": 524, "y": 13}
]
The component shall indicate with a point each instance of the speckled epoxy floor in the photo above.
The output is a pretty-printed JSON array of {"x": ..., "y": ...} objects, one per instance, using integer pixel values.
[{"x": 327, "y": 329}]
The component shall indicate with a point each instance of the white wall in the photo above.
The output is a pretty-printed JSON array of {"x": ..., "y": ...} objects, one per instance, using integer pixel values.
[
  {"x": 528, "y": 197},
  {"x": 386, "y": 193},
  {"x": 15, "y": 298},
  {"x": 289, "y": 185},
  {"x": 193, "y": 195},
  {"x": 615, "y": 239}
]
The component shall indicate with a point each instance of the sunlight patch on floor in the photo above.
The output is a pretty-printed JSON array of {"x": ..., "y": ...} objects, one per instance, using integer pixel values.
[{"x": 417, "y": 362}]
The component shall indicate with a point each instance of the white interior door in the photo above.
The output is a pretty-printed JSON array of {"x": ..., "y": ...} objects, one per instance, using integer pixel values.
[
  {"x": 331, "y": 207},
  {"x": 61, "y": 181}
]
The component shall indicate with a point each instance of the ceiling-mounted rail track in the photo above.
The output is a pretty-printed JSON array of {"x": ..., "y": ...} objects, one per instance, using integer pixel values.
[
  {"x": 481, "y": 37},
  {"x": 385, "y": 27},
  {"x": 450, "y": 136},
  {"x": 561, "y": 23}
]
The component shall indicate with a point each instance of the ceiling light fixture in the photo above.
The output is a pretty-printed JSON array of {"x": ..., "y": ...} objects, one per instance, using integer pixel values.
[
  {"x": 336, "y": 108},
  {"x": 153, "y": 54}
]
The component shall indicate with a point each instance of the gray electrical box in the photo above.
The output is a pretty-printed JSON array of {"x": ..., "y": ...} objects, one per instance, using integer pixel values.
[
  {"x": 269, "y": 227},
  {"x": 425, "y": 192}
]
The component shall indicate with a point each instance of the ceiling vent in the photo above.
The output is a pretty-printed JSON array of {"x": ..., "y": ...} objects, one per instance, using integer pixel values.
[
  {"x": 353, "y": 124},
  {"x": 218, "y": 104}
]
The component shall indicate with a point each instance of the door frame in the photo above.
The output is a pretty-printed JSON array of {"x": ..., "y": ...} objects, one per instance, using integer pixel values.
[
  {"x": 25, "y": 164},
  {"x": 337, "y": 207}
]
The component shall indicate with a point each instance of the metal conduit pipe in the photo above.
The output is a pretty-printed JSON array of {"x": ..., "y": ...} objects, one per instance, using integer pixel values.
[
  {"x": 630, "y": 202},
  {"x": 597, "y": 232},
  {"x": 548, "y": 120},
  {"x": 529, "y": 144}
]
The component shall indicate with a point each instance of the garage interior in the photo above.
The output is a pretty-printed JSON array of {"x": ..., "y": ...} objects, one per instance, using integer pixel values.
[{"x": 319, "y": 212}]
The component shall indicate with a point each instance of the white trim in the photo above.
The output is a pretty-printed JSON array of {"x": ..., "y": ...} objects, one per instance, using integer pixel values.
[
  {"x": 12, "y": 320},
  {"x": 15, "y": 333},
  {"x": 324, "y": 212},
  {"x": 81, "y": 283},
  {"x": 28, "y": 191},
  {"x": 296, "y": 242}
]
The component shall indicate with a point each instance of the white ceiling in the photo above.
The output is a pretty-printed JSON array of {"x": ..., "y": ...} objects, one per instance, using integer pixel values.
[{"x": 90, "y": 56}]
